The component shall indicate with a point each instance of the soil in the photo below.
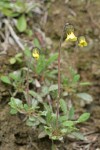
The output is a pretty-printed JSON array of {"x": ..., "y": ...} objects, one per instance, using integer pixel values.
[{"x": 85, "y": 16}]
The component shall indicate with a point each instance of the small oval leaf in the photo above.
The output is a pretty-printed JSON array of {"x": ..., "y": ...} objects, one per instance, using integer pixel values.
[
  {"x": 21, "y": 23},
  {"x": 86, "y": 97},
  {"x": 5, "y": 79},
  {"x": 84, "y": 117},
  {"x": 63, "y": 106}
]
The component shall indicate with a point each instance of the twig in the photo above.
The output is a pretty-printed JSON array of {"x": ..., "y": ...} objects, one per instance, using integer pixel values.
[
  {"x": 27, "y": 87},
  {"x": 89, "y": 133},
  {"x": 33, "y": 144},
  {"x": 15, "y": 37}
]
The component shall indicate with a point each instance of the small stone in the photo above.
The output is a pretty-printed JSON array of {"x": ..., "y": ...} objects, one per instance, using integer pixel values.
[
  {"x": 56, "y": 12},
  {"x": 21, "y": 148},
  {"x": 66, "y": 1}
]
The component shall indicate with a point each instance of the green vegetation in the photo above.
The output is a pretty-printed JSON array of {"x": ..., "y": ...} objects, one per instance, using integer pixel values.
[
  {"x": 34, "y": 88},
  {"x": 18, "y": 10}
]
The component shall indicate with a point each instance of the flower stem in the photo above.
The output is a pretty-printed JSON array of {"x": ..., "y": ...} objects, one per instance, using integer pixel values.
[
  {"x": 27, "y": 87},
  {"x": 59, "y": 74},
  {"x": 27, "y": 84}
]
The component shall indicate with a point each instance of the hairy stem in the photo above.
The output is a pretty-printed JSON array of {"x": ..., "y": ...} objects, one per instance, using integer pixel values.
[
  {"x": 27, "y": 86},
  {"x": 59, "y": 74}
]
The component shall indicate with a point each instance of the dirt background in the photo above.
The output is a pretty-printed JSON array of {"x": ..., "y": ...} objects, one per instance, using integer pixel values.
[{"x": 85, "y": 16}]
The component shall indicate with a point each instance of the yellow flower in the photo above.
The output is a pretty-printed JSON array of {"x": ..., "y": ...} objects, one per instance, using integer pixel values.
[
  {"x": 35, "y": 53},
  {"x": 71, "y": 37},
  {"x": 82, "y": 42}
]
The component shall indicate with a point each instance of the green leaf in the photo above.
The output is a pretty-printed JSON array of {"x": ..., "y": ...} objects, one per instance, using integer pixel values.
[
  {"x": 71, "y": 113},
  {"x": 47, "y": 107},
  {"x": 29, "y": 123},
  {"x": 35, "y": 95},
  {"x": 45, "y": 91},
  {"x": 72, "y": 71},
  {"x": 51, "y": 59},
  {"x": 76, "y": 78},
  {"x": 26, "y": 107},
  {"x": 31, "y": 118},
  {"x": 52, "y": 73},
  {"x": 29, "y": 32},
  {"x": 41, "y": 120},
  {"x": 78, "y": 135},
  {"x": 18, "y": 102},
  {"x": 41, "y": 64},
  {"x": 34, "y": 103},
  {"x": 4, "y": 4},
  {"x": 63, "y": 106},
  {"x": 85, "y": 83},
  {"x": 48, "y": 117},
  {"x": 68, "y": 123},
  {"x": 15, "y": 103},
  {"x": 16, "y": 75},
  {"x": 18, "y": 55},
  {"x": 36, "y": 43},
  {"x": 5, "y": 79},
  {"x": 6, "y": 8},
  {"x": 13, "y": 111},
  {"x": 21, "y": 23},
  {"x": 7, "y": 12},
  {"x": 53, "y": 87},
  {"x": 19, "y": 60},
  {"x": 84, "y": 117},
  {"x": 62, "y": 118},
  {"x": 54, "y": 119},
  {"x": 12, "y": 60},
  {"x": 27, "y": 52},
  {"x": 64, "y": 130},
  {"x": 65, "y": 81},
  {"x": 85, "y": 96}
]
